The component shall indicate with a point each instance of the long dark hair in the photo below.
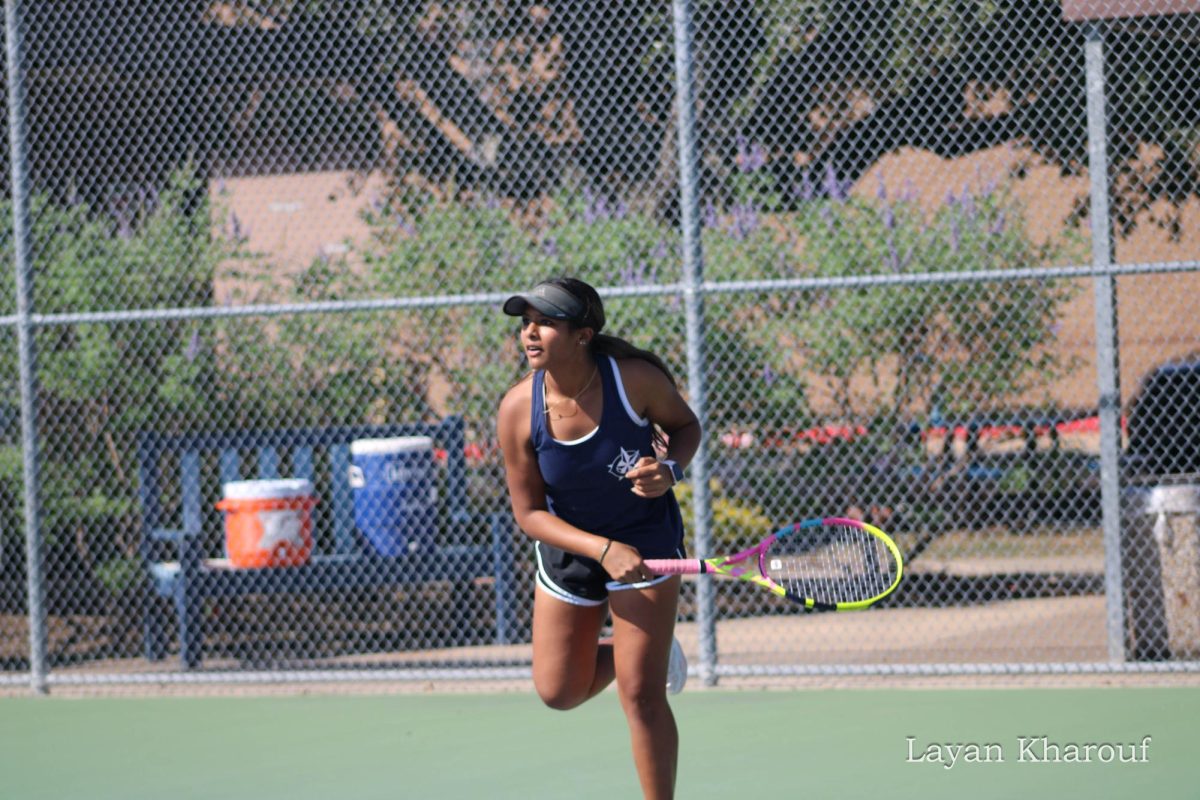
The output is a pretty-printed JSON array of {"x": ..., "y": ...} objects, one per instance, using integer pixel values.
[{"x": 602, "y": 344}]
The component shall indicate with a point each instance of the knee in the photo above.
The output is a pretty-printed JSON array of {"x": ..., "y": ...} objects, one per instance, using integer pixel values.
[
  {"x": 644, "y": 702},
  {"x": 561, "y": 697}
]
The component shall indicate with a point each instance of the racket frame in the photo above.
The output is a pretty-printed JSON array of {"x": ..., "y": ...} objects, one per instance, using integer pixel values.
[{"x": 749, "y": 565}]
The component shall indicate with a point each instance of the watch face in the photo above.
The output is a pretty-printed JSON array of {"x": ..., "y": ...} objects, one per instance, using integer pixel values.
[{"x": 676, "y": 472}]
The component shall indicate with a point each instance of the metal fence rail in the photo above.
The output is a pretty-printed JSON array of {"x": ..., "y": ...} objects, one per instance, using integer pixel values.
[{"x": 930, "y": 265}]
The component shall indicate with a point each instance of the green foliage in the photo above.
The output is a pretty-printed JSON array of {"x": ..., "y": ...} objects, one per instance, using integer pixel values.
[
  {"x": 736, "y": 523},
  {"x": 884, "y": 354},
  {"x": 119, "y": 575},
  {"x": 420, "y": 246},
  {"x": 98, "y": 384},
  {"x": 892, "y": 352}
]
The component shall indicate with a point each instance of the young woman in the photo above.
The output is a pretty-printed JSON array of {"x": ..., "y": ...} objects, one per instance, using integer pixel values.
[{"x": 580, "y": 437}]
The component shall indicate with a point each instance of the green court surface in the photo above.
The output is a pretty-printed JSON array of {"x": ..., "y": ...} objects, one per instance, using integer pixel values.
[{"x": 803, "y": 744}]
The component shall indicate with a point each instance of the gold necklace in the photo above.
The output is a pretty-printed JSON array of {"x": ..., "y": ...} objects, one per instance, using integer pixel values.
[{"x": 547, "y": 405}]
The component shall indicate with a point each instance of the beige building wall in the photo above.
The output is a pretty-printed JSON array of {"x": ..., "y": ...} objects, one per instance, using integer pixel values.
[{"x": 288, "y": 221}]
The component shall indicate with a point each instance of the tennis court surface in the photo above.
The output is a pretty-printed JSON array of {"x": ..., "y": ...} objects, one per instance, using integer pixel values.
[{"x": 811, "y": 744}]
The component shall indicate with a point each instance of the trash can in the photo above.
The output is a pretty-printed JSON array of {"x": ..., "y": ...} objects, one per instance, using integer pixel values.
[
  {"x": 1159, "y": 543},
  {"x": 268, "y": 523},
  {"x": 395, "y": 493},
  {"x": 1161, "y": 569}
]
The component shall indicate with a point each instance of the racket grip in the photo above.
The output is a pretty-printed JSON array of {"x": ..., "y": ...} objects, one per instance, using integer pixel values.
[{"x": 674, "y": 566}]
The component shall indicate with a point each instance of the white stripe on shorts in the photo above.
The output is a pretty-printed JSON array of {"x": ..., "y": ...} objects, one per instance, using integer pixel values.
[
  {"x": 617, "y": 586},
  {"x": 556, "y": 591}
]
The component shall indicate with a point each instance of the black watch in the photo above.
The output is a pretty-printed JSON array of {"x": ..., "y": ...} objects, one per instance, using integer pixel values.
[{"x": 676, "y": 470}]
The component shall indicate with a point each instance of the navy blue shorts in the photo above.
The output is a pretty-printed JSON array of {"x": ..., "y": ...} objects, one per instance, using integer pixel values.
[{"x": 583, "y": 581}]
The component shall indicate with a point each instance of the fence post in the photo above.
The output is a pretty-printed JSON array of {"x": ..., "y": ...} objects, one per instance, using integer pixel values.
[
  {"x": 1107, "y": 354},
  {"x": 693, "y": 299},
  {"x": 27, "y": 355}
]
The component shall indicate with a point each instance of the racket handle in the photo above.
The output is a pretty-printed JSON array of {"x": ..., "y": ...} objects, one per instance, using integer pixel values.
[{"x": 674, "y": 566}]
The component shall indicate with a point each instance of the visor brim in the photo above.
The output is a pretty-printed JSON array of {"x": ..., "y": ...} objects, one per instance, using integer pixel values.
[{"x": 544, "y": 300}]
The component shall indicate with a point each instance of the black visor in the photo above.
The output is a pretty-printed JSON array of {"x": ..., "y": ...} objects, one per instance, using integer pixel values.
[{"x": 553, "y": 301}]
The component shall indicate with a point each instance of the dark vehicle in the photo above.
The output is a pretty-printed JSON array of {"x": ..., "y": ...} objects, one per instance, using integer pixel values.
[
  {"x": 1160, "y": 511},
  {"x": 1164, "y": 423}
]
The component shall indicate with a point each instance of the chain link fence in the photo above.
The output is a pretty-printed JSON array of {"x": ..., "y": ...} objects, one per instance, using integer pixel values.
[{"x": 268, "y": 241}]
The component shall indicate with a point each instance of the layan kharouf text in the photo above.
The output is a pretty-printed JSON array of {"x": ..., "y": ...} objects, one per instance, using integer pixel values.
[{"x": 1029, "y": 750}]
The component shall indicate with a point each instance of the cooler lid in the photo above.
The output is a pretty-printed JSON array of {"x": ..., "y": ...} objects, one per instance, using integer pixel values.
[
  {"x": 398, "y": 444},
  {"x": 268, "y": 489}
]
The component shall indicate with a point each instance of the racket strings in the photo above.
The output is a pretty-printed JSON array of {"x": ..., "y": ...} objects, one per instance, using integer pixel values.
[{"x": 831, "y": 564}]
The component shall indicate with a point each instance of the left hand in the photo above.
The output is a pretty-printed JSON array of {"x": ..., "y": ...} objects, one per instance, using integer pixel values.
[{"x": 650, "y": 478}]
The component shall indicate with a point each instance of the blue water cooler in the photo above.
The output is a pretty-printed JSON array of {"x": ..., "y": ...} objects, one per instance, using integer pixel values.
[{"x": 395, "y": 493}]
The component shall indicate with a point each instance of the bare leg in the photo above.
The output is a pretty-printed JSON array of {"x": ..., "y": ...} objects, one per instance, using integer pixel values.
[
  {"x": 570, "y": 663},
  {"x": 643, "y": 624}
]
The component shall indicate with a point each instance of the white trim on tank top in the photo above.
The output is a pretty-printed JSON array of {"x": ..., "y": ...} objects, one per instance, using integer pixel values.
[
  {"x": 639, "y": 421},
  {"x": 633, "y": 415}
]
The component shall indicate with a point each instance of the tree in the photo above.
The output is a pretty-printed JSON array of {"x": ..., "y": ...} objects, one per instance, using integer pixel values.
[
  {"x": 958, "y": 76},
  {"x": 517, "y": 99},
  {"x": 99, "y": 384},
  {"x": 892, "y": 355}
]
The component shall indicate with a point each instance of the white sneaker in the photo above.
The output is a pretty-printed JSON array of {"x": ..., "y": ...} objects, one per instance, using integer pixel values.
[{"x": 676, "y": 669}]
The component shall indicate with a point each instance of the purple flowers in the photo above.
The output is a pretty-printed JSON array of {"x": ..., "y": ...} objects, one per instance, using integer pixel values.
[
  {"x": 805, "y": 191},
  {"x": 997, "y": 226},
  {"x": 402, "y": 223},
  {"x": 193, "y": 348},
  {"x": 835, "y": 188},
  {"x": 750, "y": 156},
  {"x": 893, "y": 256},
  {"x": 637, "y": 273},
  {"x": 124, "y": 225},
  {"x": 968, "y": 202},
  {"x": 893, "y": 261},
  {"x": 596, "y": 208},
  {"x": 827, "y": 215},
  {"x": 743, "y": 221},
  {"x": 889, "y": 218}
]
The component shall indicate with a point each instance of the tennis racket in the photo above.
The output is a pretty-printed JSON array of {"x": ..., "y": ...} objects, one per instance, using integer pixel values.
[{"x": 828, "y": 564}]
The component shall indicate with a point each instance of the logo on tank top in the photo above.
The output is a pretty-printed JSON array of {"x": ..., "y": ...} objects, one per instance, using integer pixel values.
[{"x": 624, "y": 462}]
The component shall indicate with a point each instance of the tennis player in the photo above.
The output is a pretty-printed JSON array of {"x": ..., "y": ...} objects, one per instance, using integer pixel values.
[{"x": 582, "y": 437}]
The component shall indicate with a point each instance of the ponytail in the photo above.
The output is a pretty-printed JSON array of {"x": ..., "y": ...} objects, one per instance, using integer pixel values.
[{"x": 604, "y": 345}]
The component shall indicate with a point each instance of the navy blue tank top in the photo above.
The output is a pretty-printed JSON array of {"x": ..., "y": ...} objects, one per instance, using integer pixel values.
[{"x": 585, "y": 479}]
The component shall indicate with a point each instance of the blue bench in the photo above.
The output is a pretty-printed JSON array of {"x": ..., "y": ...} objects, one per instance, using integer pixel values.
[{"x": 178, "y": 569}]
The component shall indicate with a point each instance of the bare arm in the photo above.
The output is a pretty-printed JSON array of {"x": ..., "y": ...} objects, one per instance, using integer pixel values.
[{"x": 656, "y": 398}]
